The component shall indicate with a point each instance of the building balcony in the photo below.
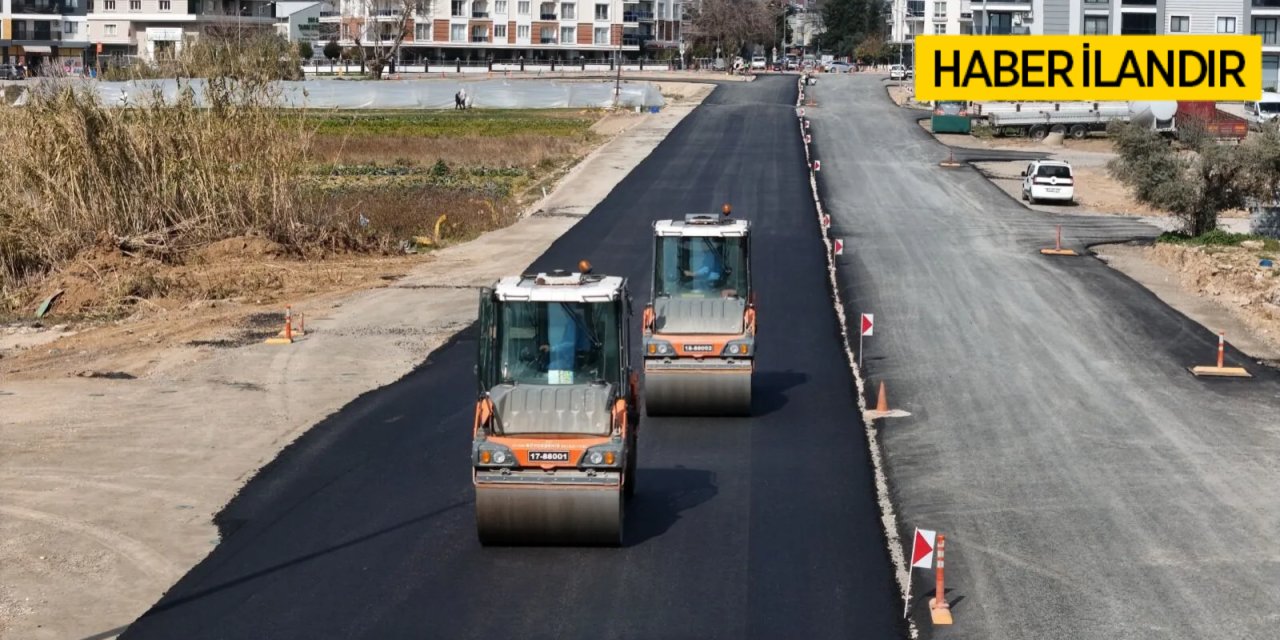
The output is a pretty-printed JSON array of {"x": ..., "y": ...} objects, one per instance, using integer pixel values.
[
  {"x": 1266, "y": 4},
  {"x": 29, "y": 35},
  {"x": 546, "y": 40},
  {"x": 547, "y": 16},
  {"x": 52, "y": 8},
  {"x": 479, "y": 15},
  {"x": 386, "y": 13},
  {"x": 479, "y": 39}
]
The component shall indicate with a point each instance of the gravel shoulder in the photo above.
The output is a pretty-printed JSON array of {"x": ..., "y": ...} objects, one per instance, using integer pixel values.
[{"x": 108, "y": 485}]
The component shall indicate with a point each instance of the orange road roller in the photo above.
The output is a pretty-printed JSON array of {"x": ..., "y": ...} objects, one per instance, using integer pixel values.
[
  {"x": 700, "y": 324},
  {"x": 554, "y": 441}
]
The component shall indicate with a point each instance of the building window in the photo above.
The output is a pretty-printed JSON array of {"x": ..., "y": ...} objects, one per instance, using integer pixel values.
[
  {"x": 500, "y": 7},
  {"x": 1266, "y": 27},
  {"x": 500, "y": 32},
  {"x": 457, "y": 33},
  {"x": 457, "y": 8},
  {"x": 568, "y": 11},
  {"x": 109, "y": 5},
  {"x": 567, "y": 35},
  {"x": 547, "y": 35},
  {"x": 1000, "y": 24},
  {"x": 1138, "y": 3},
  {"x": 522, "y": 33},
  {"x": 1270, "y": 71},
  {"x": 135, "y": 5},
  {"x": 68, "y": 28},
  {"x": 1226, "y": 25},
  {"x": 940, "y": 8},
  {"x": 1180, "y": 24},
  {"x": 601, "y": 35},
  {"x": 422, "y": 32},
  {"x": 602, "y": 12},
  {"x": 109, "y": 30},
  {"x": 166, "y": 5},
  {"x": 1137, "y": 24},
  {"x": 479, "y": 34},
  {"x": 1096, "y": 1},
  {"x": 523, "y": 7},
  {"x": 1096, "y": 26},
  {"x": 939, "y": 29}
]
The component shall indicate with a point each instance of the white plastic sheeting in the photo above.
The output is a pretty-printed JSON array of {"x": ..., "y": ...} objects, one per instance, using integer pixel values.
[{"x": 417, "y": 94}]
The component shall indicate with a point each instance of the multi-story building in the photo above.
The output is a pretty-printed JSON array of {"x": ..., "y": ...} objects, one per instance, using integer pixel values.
[
  {"x": 911, "y": 18},
  {"x": 36, "y": 33},
  {"x": 155, "y": 28},
  {"x": 512, "y": 29},
  {"x": 299, "y": 21}
]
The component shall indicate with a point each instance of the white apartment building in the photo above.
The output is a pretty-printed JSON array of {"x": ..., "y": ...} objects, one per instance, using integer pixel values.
[
  {"x": 153, "y": 28},
  {"x": 911, "y": 18},
  {"x": 299, "y": 21},
  {"x": 35, "y": 33},
  {"x": 514, "y": 29}
]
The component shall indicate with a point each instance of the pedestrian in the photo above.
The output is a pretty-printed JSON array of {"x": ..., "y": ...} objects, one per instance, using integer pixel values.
[
  {"x": 457, "y": 100},
  {"x": 462, "y": 98}
]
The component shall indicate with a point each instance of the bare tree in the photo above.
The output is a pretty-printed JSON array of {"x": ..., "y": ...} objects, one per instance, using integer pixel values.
[
  {"x": 379, "y": 27},
  {"x": 734, "y": 24}
]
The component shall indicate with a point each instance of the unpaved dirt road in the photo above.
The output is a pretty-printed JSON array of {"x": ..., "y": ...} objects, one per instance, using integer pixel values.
[{"x": 108, "y": 487}]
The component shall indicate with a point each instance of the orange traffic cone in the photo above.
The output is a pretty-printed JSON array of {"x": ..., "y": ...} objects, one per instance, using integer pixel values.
[
  {"x": 1221, "y": 369},
  {"x": 285, "y": 336},
  {"x": 1057, "y": 249},
  {"x": 882, "y": 409}
]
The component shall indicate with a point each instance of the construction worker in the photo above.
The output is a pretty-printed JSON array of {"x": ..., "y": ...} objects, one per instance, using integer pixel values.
[
  {"x": 704, "y": 266},
  {"x": 568, "y": 340}
]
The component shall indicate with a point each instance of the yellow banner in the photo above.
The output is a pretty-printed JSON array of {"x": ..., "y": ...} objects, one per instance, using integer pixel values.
[{"x": 1088, "y": 68}]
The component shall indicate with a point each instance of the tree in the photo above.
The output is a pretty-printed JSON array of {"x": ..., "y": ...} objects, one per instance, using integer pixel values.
[
  {"x": 332, "y": 50},
  {"x": 848, "y": 22},
  {"x": 378, "y": 27},
  {"x": 305, "y": 52},
  {"x": 1196, "y": 180},
  {"x": 872, "y": 49},
  {"x": 734, "y": 24}
]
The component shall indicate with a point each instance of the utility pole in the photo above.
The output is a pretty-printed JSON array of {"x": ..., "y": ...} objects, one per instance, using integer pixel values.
[{"x": 617, "y": 83}]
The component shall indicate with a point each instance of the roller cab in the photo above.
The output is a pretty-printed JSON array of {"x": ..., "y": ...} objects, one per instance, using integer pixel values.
[
  {"x": 700, "y": 326},
  {"x": 553, "y": 449}
]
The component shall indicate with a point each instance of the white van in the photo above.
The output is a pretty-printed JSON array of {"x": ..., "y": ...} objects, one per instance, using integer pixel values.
[
  {"x": 1048, "y": 180},
  {"x": 1266, "y": 109}
]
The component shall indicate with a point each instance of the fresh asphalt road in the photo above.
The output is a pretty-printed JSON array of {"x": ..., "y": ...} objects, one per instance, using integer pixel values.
[
  {"x": 763, "y": 527},
  {"x": 1090, "y": 487}
]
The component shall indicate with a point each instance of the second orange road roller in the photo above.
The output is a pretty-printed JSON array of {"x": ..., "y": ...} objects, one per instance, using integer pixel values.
[
  {"x": 554, "y": 440},
  {"x": 700, "y": 324}
]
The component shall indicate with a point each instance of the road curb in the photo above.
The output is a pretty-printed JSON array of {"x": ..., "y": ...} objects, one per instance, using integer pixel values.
[{"x": 888, "y": 516}]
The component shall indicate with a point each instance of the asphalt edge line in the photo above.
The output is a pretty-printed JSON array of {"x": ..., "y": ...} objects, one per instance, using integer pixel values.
[{"x": 888, "y": 517}]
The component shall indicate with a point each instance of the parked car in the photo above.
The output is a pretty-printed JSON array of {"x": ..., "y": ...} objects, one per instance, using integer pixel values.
[
  {"x": 758, "y": 63},
  {"x": 898, "y": 72},
  {"x": 1048, "y": 180},
  {"x": 838, "y": 67},
  {"x": 11, "y": 72},
  {"x": 1264, "y": 110}
]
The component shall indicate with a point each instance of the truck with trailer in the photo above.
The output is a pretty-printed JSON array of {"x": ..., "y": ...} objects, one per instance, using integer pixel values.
[{"x": 1078, "y": 119}]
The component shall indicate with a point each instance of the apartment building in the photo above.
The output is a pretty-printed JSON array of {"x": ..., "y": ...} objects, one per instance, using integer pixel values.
[
  {"x": 299, "y": 21},
  {"x": 37, "y": 33},
  {"x": 514, "y": 29},
  {"x": 150, "y": 29},
  {"x": 911, "y": 18}
]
